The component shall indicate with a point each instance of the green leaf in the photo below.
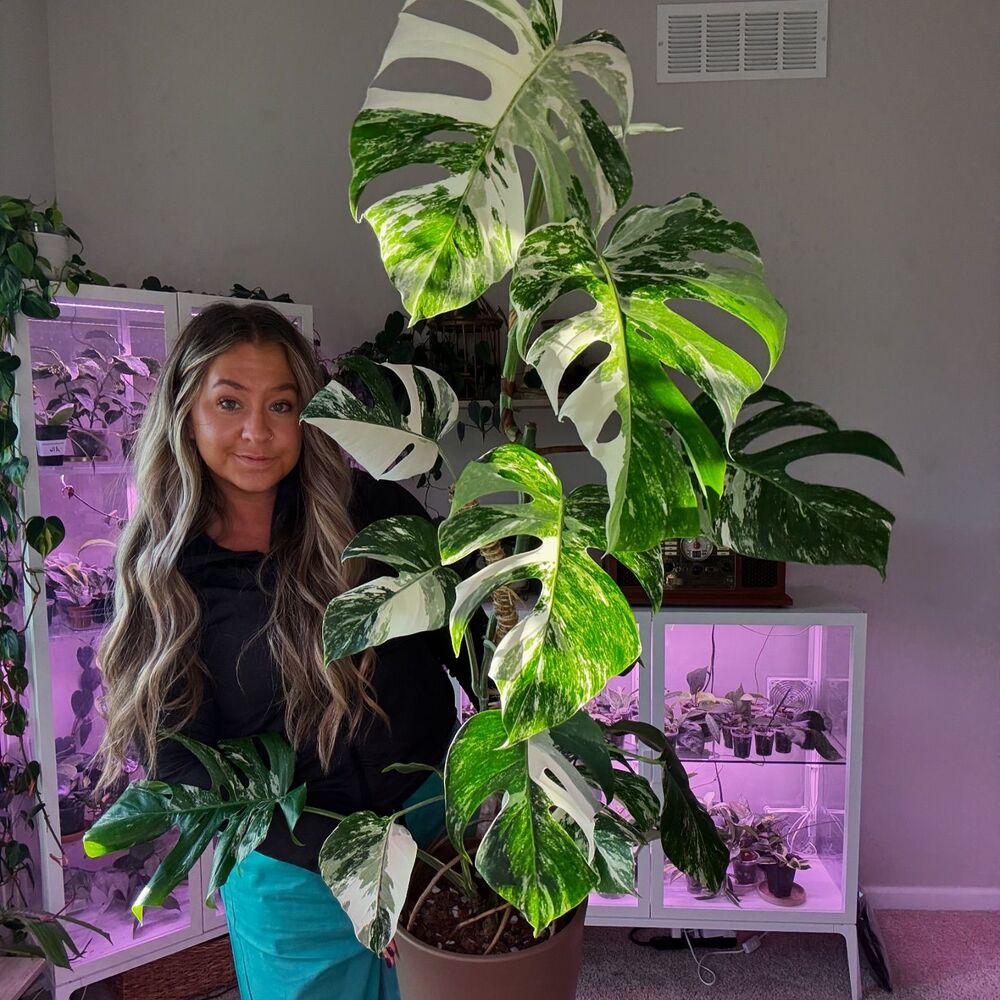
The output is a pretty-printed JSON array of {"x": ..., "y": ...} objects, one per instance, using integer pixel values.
[
  {"x": 564, "y": 650},
  {"x": 629, "y": 411},
  {"x": 614, "y": 859},
  {"x": 581, "y": 737},
  {"x": 22, "y": 258},
  {"x": 768, "y": 514},
  {"x": 445, "y": 242},
  {"x": 688, "y": 834},
  {"x": 386, "y": 443},
  {"x": 238, "y": 806},
  {"x": 367, "y": 862},
  {"x": 417, "y": 600},
  {"x": 44, "y": 534},
  {"x": 526, "y": 855}
]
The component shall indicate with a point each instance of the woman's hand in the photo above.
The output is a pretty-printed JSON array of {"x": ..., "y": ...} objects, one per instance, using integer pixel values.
[{"x": 390, "y": 953}]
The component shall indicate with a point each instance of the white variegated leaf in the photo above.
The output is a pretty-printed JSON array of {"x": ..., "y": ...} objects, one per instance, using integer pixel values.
[
  {"x": 526, "y": 855},
  {"x": 417, "y": 600},
  {"x": 649, "y": 259},
  {"x": 614, "y": 860},
  {"x": 388, "y": 444},
  {"x": 445, "y": 242},
  {"x": 563, "y": 651},
  {"x": 367, "y": 862}
]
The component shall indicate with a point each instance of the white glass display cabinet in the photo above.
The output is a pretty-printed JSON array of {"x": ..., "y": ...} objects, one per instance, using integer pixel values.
[
  {"x": 772, "y": 776},
  {"x": 95, "y": 367}
]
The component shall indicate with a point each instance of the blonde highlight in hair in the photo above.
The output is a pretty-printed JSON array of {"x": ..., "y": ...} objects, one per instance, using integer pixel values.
[{"x": 149, "y": 653}]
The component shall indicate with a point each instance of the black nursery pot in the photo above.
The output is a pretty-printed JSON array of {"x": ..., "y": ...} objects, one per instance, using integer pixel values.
[
  {"x": 727, "y": 736},
  {"x": 71, "y": 816},
  {"x": 782, "y": 742},
  {"x": 51, "y": 452},
  {"x": 741, "y": 745},
  {"x": 764, "y": 742},
  {"x": 780, "y": 879}
]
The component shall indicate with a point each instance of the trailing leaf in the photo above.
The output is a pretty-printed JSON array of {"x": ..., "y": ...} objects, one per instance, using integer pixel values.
[
  {"x": 417, "y": 600},
  {"x": 239, "y": 807},
  {"x": 526, "y": 855},
  {"x": 560, "y": 654},
  {"x": 388, "y": 444},
  {"x": 444, "y": 243},
  {"x": 768, "y": 514},
  {"x": 649, "y": 259},
  {"x": 367, "y": 862}
]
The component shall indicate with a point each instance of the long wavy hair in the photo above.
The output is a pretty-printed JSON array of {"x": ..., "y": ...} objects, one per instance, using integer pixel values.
[{"x": 149, "y": 653}]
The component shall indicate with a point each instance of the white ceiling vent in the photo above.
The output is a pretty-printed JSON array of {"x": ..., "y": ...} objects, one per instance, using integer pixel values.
[{"x": 759, "y": 40}]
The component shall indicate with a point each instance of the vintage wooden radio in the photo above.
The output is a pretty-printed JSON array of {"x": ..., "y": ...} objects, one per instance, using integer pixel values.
[{"x": 696, "y": 571}]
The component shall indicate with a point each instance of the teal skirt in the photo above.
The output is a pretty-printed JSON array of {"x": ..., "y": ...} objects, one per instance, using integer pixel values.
[{"x": 291, "y": 939}]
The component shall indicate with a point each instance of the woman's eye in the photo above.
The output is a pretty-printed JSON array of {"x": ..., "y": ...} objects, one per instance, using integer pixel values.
[{"x": 229, "y": 399}]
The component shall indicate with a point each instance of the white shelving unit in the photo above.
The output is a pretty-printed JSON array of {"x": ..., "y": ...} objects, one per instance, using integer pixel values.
[
  {"x": 146, "y": 324},
  {"x": 815, "y": 642}
]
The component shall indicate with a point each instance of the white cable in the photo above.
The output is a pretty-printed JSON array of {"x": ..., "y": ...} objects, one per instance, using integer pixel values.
[{"x": 707, "y": 975}]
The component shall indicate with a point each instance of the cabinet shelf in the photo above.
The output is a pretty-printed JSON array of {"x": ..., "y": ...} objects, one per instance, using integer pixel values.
[{"x": 798, "y": 757}]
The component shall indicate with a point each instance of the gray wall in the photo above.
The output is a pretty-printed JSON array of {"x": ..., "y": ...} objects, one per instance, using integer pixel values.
[
  {"x": 207, "y": 143},
  {"x": 27, "y": 168}
]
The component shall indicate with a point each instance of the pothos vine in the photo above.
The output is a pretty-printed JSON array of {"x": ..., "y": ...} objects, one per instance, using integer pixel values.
[{"x": 27, "y": 285}]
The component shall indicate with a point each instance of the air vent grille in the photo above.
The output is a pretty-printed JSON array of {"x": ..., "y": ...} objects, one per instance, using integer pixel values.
[{"x": 770, "y": 39}]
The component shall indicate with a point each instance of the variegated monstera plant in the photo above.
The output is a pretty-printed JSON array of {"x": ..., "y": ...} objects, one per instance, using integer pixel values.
[{"x": 672, "y": 467}]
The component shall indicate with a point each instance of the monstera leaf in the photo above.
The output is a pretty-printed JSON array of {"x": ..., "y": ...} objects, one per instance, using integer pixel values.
[
  {"x": 386, "y": 443},
  {"x": 444, "y": 243},
  {"x": 417, "y": 600},
  {"x": 245, "y": 789},
  {"x": 527, "y": 856},
  {"x": 367, "y": 862},
  {"x": 628, "y": 411},
  {"x": 562, "y": 653},
  {"x": 768, "y": 514}
]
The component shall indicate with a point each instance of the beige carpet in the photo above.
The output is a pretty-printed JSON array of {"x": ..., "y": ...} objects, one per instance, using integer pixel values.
[{"x": 934, "y": 956}]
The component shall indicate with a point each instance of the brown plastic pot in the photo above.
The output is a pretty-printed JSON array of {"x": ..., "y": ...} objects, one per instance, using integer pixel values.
[{"x": 546, "y": 971}]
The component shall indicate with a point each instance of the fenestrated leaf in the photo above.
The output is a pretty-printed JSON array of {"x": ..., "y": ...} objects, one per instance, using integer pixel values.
[
  {"x": 444, "y": 243},
  {"x": 367, "y": 862},
  {"x": 240, "y": 804},
  {"x": 417, "y": 600},
  {"x": 561, "y": 653},
  {"x": 688, "y": 834},
  {"x": 589, "y": 506},
  {"x": 379, "y": 437},
  {"x": 649, "y": 260},
  {"x": 768, "y": 514},
  {"x": 526, "y": 856}
]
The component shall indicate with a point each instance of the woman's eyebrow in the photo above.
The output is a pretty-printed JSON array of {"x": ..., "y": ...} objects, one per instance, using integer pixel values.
[{"x": 276, "y": 388}]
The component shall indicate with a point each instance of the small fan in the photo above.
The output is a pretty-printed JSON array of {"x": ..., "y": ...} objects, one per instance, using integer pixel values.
[{"x": 793, "y": 692}]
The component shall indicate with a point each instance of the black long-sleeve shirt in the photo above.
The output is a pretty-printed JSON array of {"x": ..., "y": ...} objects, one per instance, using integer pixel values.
[{"x": 409, "y": 681}]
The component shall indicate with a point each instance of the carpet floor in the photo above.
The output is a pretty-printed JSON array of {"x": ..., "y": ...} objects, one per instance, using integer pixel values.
[{"x": 933, "y": 955}]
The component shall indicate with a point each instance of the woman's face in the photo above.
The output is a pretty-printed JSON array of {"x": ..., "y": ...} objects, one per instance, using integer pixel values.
[{"x": 248, "y": 405}]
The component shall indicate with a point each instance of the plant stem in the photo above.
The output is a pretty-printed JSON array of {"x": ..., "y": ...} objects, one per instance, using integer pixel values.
[
  {"x": 507, "y": 422},
  {"x": 430, "y": 888}
]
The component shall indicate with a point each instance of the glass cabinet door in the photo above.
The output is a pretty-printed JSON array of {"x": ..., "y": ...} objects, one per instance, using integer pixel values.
[{"x": 93, "y": 369}]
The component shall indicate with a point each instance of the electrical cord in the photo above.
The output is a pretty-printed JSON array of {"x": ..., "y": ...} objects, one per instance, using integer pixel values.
[{"x": 707, "y": 975}]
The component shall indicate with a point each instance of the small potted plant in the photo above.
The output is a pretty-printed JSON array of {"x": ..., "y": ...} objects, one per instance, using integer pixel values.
[
  {"x": 808, "y": 730},
  {"x": 51, "y": 429},
  {"x": 746, "y": 870},
  {"x": 53, "y": 240},
  {"x": 614, "y": 704},
  {"x": 780, "y": 866},
  {"x": 91, "y": 386},
  {"x": 87, "y": 589},
  {"x": 742, "y": 740}
]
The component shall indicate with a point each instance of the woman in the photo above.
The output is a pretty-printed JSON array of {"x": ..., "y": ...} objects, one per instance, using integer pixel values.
[{"x": 224, "y": 572}]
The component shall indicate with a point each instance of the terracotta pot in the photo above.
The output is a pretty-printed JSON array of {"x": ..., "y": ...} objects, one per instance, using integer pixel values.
[{"x": 546, "y": 971}]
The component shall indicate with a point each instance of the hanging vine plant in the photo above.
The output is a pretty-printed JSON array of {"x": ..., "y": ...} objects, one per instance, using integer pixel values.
[{"x": 29, "y": 282}]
